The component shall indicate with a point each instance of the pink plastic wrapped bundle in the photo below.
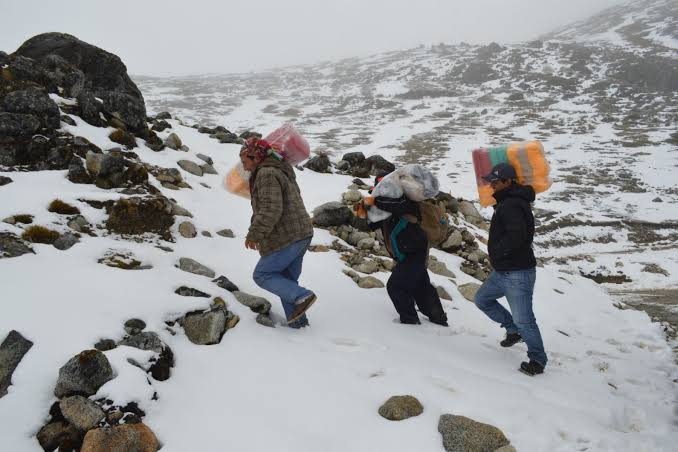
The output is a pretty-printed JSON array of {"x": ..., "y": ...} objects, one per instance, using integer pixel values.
[
  {"x": 237, "y": 181},
  {"x": 293, "y": 147}
]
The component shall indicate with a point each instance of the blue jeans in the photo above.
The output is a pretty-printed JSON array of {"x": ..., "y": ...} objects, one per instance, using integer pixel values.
[
  {"x": 517, "y": 286},
  {"x": 279, "y": 273}
]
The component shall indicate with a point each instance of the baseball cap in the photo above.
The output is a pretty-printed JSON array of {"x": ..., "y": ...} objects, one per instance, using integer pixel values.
[{"x": 501, "y": 171}]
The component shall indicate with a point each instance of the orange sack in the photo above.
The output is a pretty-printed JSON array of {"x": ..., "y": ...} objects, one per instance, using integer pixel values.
[{"x": 237, "y": 181}]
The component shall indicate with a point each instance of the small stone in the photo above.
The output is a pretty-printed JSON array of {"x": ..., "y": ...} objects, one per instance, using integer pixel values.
[
  {"x": 65, "y": 241},
  {"x": 219, "y": 302},
  {"x": 331, "y": 214},
  {"x": 226, "y": 233},
  {"x": 205, "y": 328},
  {"x": 439, "y": 268},
  {"x": 128, "y": 437},
  {"x": 190, "y": 167},
  {"x": 469, "y": 291},
  {"x": 205, "y": 159},
  {"x": 134, "y": 326},
  {"x": 59, "y": 435},
  {"x": 352, "y": 196},
  {"x": 443, "y": 294},
  {"x": 355, "y": 237},
  {"x": 399, "y": 408},
  {"x": 265, "y": 320},
  {"x": 79, "y": 224},
  {"x": 463, "y": 434},
  {"x": 206, "y": 234},
  {"x": 454, "y": 241},
  {"x": 187, "y": 230},
  {"x": 4, "y": 180},
  {"x": 256, "y": 304},
  {"x": 318, "y": 248},
  {"x": 146, "y": 340},
  {"x": 366, "y": 244},
  {"x": 12, "y": 350},
  {"x": 657, "y": 199},
  {"x": 184, "y": 148},
  {"x": 173, "y": 141},
  {"x": 82, "y": 413},
  {"x": 190, "y": 292},
  {"x": 370, "y": 282},
  {"x": 179, "y": 211},
  {"x": 208, "y": 169},
  {"x": 225, "y": 284},
  {"x": 232, "y": 321},
  {"x": 367, "y": 267},
  {"x": 191, "y": 266},
  {"x": 83, "y": 374},
  {"x": 105, "y": 345}
]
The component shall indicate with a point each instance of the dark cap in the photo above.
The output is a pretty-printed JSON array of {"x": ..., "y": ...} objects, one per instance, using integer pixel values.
[{"x": 501, "y": 171}]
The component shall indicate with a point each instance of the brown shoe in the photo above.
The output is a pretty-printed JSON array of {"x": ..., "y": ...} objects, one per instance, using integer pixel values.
[{"x": 301, "y": 307}]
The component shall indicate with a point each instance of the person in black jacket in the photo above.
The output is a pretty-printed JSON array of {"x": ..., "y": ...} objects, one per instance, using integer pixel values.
[
  {"x": 407, "y": 244},
  {"x": 514, "y": 266}
]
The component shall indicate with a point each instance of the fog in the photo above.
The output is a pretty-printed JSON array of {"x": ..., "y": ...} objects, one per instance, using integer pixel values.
[{"x": 199, "y": 36}]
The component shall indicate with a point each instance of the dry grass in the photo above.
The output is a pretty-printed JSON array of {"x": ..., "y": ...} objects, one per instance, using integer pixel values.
[
  {"x": 62, "y": 208},
  {"x": 40, "y": 234}
]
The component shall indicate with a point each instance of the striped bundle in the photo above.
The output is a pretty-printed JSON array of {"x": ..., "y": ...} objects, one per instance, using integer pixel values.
[{"x": 526, "y": 158}]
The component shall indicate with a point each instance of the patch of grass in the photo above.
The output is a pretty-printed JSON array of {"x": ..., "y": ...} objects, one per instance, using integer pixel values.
[
  {"x": 40, "y": 234},
  {"x": 23, "y": 218},
  {"x": 121, "y": 137},
  {"x": 62, "y": 208}
]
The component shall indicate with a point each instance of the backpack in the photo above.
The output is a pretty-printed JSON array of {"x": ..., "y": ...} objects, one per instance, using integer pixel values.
[{"x": 432, "y": 220}]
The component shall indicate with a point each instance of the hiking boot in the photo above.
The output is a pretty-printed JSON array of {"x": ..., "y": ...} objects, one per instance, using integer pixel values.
[
  {"x": 532, "y": 368},
  {"x": 301, "y": 307},
  {"x": 407, "y": 321},
  {"x": 511, "y": 339},
  {"x": 441, "y": 322}
]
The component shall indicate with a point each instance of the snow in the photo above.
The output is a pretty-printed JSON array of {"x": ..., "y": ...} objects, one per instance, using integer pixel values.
[{"x": 608, "y": 386}]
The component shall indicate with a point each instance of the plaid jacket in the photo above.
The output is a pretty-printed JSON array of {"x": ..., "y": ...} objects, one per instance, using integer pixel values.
[{"x": 279, "y": 215}]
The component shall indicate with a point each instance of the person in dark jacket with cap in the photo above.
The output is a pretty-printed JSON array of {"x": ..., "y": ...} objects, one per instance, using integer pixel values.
[
  {"x": 514, "y": 266},
  {"x": 406, "y": 242}
]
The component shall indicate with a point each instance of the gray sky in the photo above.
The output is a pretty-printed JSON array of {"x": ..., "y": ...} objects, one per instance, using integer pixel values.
[{"x": 198, "y": 36}]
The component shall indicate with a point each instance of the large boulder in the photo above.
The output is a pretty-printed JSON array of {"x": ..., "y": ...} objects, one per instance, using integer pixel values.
[
  {"x": 105, "y": 75},
  {"x": 12, "y": 351},
  {"x": 127, "y": 437},
  {"x": 461, "y": 434},
  {"x": 83, "y": 374},
  {"x": 36, "y": 102},
  {"x": 331, "y": 214}
]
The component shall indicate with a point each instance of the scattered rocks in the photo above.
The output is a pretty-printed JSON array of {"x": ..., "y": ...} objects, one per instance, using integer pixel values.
[
  {"x": 205, "y": 328},
  {"x": 12, "y": 246},
  {"x": 173, "y": 141},
  {"x": 81, "y": 412},
  {"x": 256, "y": 304},
  {"x": 12, "y": 350},
  {"x": 134, "y": 326},
  {"x": 127, "y": 437},
  {"x": 83, "y": 374},
  {"x": 398, "y": 408},
  {"x": 187, "y": 230},
  {"x": 191, "y": 266},
  {"x": 226, "y": 233},
  {"x": 185, "y": 291},
  {"x": 225, "y": 284},
  {"x": 469, "y": 291},
  {"x": 331, "y": 214},
  {"x": 461, "y": 434},
  {"x": 190, "y": 167}
]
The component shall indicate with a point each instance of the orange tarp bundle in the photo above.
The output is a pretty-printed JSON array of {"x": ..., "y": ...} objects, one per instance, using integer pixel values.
[
  {"x": 527, "y": 158},
  {"x": 237, "y": 181}
]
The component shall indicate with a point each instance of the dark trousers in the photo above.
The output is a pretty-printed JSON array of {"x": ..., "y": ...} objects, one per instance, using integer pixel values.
[{"x": 409, "y": 284}]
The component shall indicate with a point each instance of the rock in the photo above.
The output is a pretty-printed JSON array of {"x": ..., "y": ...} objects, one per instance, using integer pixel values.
[
  {"x": 208, "y": 169},
  {"x": 134, "y": 326},
  {"x": 516, "y": 97},
  {"x": 461, "y": 434},
  {"x": 126, "y": 437},
  {"x": 185, "y": 291},
  {"x": 470, "y": 213},
  {"x": 477, "y": 73},
  {"x": 36, "y": 102},
  {"x": 368, "y": 267},
  {"x": 173, "y": 141},
  {"x": 398, "y": 408},
  {"x": 160, "y": 125},
  {"x": 226, "y": 233},
  {"x": 343, "y": 165},
  {"x": 145, "y": 340},
  {"x": 163, "y": 115},
  {"x": 256, "y": 304},
  {"x": 65, "y": 241},
  {"x": 205, "y": 328},
  {"x": 59, "y": 435},
  {"x": 191, "y": 266},
  {"x": 319, "y": 164},
  {"x": 366, "y": 244},
  {"x": 379, "y": 164},
  {"x": 12, "y": 350},
  {"x": 657, "y": 199},
  {"x": 80, "y": 224},
  {"x": 83, "y": 374},
  {"x": 161, "y": 368},
  {"x": 124, "y": 260},
  {"x": 123, "y": 137},
  {"x": 205, "y": 159},
  {"x": 4, "y": 180},
  {"x": 105, "y": 345},
  {"x": 265, "y": 320},
  {"x": 354, "y": 158},
  {"x": 80, "y": 412},
  {"x": 443, "y": 294},
  {"x": 469, "y": 291},
  {"x": 190, "y": 167},
  {"x": 352, "y": 197},
  {"x": 141, "y": 215},
  {"x": 356, "y": 237},
  {"x": 77, "y": 173},
  {"x": 12, "y": 246},
  {"x": 180, "y": 211},
  {"x": 370, "y": 282},
  {"x": 187, "y": 230},
  {"x": 439, "y": 268},
  {"x": 18, "y": 125},
  {"x": 331, "y": 214},
  {"x": 225, "y": 284},
  {"x": 454, "y": 241},
  {"x": 90, "y": 108}
]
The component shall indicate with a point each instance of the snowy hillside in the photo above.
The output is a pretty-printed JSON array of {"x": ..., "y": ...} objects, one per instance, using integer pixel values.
[{"x": 140, "y": 258}]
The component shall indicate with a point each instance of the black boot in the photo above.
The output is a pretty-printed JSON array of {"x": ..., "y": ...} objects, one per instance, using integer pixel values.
[
  {"x": 511, "y": 339},
  {"x": 532, "y": 368}
]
